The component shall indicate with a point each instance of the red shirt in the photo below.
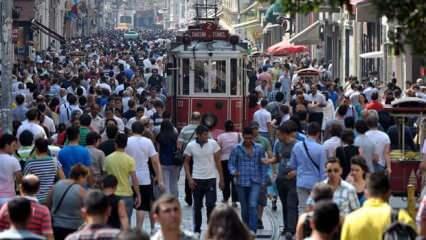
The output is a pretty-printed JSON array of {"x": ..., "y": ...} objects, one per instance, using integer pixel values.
[
  {"x": 374, "y": 105},
  {"x": 40, "y": 221}
]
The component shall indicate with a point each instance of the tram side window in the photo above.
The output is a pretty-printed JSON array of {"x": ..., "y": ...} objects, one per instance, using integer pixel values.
[
  {"x": 185, "y": 76},
  {"x": 217, "y": 76},
  {"x": 234, "y": 76},
  {"x": 201, "y": 83}
]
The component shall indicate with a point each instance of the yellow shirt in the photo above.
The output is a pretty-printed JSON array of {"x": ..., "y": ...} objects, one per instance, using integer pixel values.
[
  {"x": 121, "y": 166},
  {"x": 370, "y": 221}
]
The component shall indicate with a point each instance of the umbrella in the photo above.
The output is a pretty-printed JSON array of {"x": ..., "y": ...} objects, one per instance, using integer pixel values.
[{"x": 284, "y": 48}]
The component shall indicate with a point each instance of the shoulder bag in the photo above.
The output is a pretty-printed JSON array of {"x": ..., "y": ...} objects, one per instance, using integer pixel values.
[
  {"x": 310, "y": 158},
  {"x": 62, "y": 199},
  {"x": 178, "y": 155}
]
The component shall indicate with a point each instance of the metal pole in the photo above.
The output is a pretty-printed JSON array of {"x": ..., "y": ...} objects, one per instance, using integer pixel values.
[{"x": 6, "y": 62}]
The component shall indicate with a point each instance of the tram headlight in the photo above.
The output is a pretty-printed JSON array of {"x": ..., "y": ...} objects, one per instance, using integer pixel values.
[{"x": 209, "y": 120}]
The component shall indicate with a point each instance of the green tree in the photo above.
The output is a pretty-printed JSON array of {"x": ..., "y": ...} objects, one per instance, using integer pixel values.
[{"x": 408, "y": 15}]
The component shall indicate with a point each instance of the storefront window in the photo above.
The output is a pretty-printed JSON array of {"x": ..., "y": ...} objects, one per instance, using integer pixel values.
[
  {"x": 185, "y": 76},
  {"x": 217, "y": 76},
  {"x": 201, "y": 69},
  {"x": 234, "y": 76}
]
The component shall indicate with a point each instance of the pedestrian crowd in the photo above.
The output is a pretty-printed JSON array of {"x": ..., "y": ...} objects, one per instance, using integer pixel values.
[{"x": 93, "y": 143}]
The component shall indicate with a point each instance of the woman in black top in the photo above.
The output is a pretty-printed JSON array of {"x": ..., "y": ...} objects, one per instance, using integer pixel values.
[
  {"x": 347, "y": 151},
  {"x": 118, "y": 217}
]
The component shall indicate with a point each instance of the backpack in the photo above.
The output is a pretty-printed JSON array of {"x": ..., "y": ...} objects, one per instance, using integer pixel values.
[{"x": 398, "y": 230}]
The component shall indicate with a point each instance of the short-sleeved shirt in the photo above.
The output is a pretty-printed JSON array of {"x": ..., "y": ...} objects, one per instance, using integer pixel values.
[
  {"x": 186, "y": 133},
  {"x": 227, "y": 141},
  {"x": 367, "y": 149},
  {"x": 282, "y": 152},
  {"x": 40, "y": 222},
  {"x": 83, "y": 135},
  {"x": 379, "y": 139},
  {"x": 45, "y": 169},
  {"x": 371, "y": 220},
  {"x": 141, "y": 149},
  {"x": 121, "y": 165},
  {"x": 9, "y": 165},
  {"x": 264, "y": 142},
  {"x": 71, "y": 155},
  {"x": 262, "y": 117},
  {"x": 344, "y": 196},
  {"x": 203, "y": 157}
]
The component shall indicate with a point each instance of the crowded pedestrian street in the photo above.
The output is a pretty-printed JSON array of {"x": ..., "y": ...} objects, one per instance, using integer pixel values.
[{"x": 212, "y": 120}]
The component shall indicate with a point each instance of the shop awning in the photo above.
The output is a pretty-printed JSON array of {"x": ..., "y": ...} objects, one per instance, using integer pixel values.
[
  {"x": 376, "y": 54},
  {"x": 49, "y": 32},
  {"x": 308, "y": 36}
]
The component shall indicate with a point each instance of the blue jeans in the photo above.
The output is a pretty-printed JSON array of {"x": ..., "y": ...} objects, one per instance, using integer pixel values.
[
  {"x": 248, "y": 197},
  {"x": 205, "y": 188}
]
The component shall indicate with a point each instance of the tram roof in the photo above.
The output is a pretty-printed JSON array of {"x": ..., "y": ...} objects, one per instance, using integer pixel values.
[{"x": 211, "y": 46}]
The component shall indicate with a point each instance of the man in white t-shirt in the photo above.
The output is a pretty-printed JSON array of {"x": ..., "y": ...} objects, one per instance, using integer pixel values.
[
  {"x": 10, "y": 167},
  {"x": 263, "y": 117},
  {"x": 142, "y": 150},
  {"x": 32, "y": 124},
  {"x": 205, "y": 154},
  {"x": 381, "y": 142}
]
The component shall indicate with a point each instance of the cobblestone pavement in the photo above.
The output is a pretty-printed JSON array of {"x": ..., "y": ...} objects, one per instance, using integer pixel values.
[{"x": 271, "y": 220}]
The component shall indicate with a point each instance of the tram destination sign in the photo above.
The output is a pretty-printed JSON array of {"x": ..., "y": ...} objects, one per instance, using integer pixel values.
[
  {"x": 208, "y": 32},
  {"x": 209, "y": 35}
]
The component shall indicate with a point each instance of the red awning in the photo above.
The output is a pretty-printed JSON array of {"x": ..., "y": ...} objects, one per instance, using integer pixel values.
[{"x": 284, "y": 48}]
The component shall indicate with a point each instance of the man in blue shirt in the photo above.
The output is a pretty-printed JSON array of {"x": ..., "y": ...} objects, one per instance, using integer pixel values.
[
  {"x": 73, "y": 153},
  {"x": 307, "y": 160},
  {"x": 245, "y": 164}
]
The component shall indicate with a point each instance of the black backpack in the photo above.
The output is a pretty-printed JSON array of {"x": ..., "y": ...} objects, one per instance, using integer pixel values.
[{"x": 398, "y": 230}]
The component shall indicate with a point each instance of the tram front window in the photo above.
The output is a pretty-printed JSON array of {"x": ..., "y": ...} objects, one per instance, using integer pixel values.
[
  {"x": 201, "y": 69},
  {"x": 218, "y": 76}
]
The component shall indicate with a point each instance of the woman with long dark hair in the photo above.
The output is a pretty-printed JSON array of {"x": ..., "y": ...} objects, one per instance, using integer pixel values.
[
  {"x": 224, "y": 224},
  {"x": 167, "y": 146}
]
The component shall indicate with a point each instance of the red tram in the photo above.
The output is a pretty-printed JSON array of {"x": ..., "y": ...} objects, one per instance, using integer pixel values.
[{"x": 207, "y": 76}]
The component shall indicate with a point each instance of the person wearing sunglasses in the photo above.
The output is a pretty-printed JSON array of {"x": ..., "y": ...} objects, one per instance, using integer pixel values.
[{"x": 344, "y": 193}]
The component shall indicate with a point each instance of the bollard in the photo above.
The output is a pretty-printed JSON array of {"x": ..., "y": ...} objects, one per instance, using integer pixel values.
[{"x": 411, "y": 200}]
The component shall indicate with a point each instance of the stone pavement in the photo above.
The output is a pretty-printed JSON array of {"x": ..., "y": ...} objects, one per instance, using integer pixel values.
[{"x": 271, "y": 220}]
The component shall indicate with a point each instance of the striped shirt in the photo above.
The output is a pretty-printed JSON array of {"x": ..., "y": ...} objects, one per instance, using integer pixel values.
[
  {"x": 45, "y": 169},
  {"x": 40, "y": 222},
  {"x": 95, "y": 232}
]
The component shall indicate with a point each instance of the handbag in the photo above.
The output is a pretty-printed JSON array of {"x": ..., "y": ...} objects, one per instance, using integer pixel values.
[{"x": 178, "y": 157}]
